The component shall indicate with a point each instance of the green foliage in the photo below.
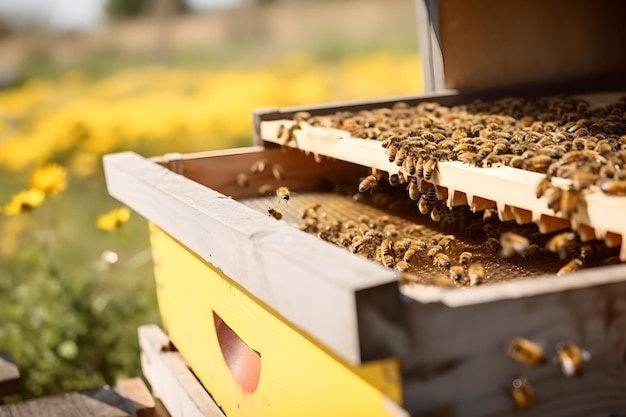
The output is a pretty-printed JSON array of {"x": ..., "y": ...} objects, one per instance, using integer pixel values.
[{"x": 68, "y": 317}]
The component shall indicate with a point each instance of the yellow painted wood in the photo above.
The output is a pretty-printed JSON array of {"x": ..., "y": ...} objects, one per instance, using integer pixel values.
[{"x": 298, "y": 377}]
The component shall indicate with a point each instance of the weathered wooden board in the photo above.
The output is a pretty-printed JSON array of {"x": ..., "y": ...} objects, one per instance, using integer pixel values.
[
  {"x": 66, "y": 405},
  {"x": 261, "y": 254},
  {"x": 135, "y": 390},
  {"x": 170, "y": 378}
]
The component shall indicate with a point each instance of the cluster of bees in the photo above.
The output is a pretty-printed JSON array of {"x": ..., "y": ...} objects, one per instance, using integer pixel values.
[{"x": 559, "y": 137}]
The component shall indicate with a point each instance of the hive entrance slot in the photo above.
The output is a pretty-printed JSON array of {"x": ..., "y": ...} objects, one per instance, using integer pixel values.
[{"x": 243, "y": 362}]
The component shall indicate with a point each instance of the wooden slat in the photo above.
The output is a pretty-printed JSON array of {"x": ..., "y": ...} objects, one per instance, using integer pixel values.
[
  {"x": 135, "y": 390},
  {"x": 9, "y": 375},
  {"x": 67, "y": 405},
  {"x": 259, "y": 253},
  {"x": 171, "y": 380}
]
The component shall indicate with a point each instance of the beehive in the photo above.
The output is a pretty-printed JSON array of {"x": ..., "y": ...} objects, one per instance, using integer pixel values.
[{"x": 274, "y": 321}]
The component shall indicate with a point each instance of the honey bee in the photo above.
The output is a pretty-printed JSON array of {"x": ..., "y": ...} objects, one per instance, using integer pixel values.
[
  {"x": 301, "y": 116},
  {"x": 493, "y": 244},
  {"x": 570, "y": 201},
  {"x": 517, "y": 162},
  {"x": 392, "y": 151},
  {"x": 391, "y": 230},
  {"x": 436, "y": 212},
  {"x": 512, "y": 244},
  {"x": 410, "y": 253},
  {"x": 401, "y": 155},
  {"x": 540, "y": 163},
  {"x": 434, "y": 251},
  {"x": 525, "y": 351},
  {"x": 442, "y": 260},
  {"x": 476, "y": 273},
  {"x": 531, "y": 250},
  {"x": 278, "y": 171},
  {"x": 368, "y": 183},
  {"x": 613, "y": 187},
  {"x": 258, "y": 166},
  {"x": 562, "y": 244},
  {"x": 413, "y": 229},
  {"x": 542, "y": 186},
  {"x": 465, "y": 258},
  {"x": 422, "y": 205},
  {"x": 242, "y": 180},
  {"x": 456, "y": 273},
  {"x": 611, "y": 260},
  {"x": 429, "y": 167},
  {"x": 573, "y": 265},
  {"x": 382, "y": 220},
  {"x": 408, "y": 278},
  {"x": 275, "y": 213},
  {"x": 283, "y": 194},
  {"x": 571, "y": 358},
  {"x": 413, "y": 188},
  {"x": 265, "y": 189},
  {"x": 402, "y": 266},
  {"x": 523, "y": 394},
  {"x": 386, "y": 253},
  {"x": 419, "y": 168},
  {"x": 553, "y": 198}
]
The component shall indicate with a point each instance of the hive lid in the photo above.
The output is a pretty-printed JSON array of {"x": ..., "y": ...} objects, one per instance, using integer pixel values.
[{"x": 489, "y": 44}]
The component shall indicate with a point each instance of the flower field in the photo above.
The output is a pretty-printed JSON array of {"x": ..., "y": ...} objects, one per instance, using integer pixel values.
[{"x": 75, "y": 267}]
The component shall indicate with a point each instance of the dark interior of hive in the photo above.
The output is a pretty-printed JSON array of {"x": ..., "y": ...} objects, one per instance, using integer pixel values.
[{"x": 404, "y": 222}]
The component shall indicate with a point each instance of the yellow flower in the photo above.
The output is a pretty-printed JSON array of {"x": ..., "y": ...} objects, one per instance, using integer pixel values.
[
  {"x": 113, "y": 219},
  {"x": 50, "y": 179},
  {"x": 24, "y": 200}
]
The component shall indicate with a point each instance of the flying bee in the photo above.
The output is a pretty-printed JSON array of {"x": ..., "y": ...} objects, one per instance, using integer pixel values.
[
  {"x": 242, "y": 180},
  {"x": 413, "y": 188},
  {"x": 265, "y": 189},
  {"x": 278, "y": 171},
  {"x": 613, "y": 187},
  {"x": 573, "y": 265},
  {"x": 368, "y": 183},
  {"x": 523, "y": 394},
  {"x": 476, "y": 273},
  {"x": 465, "y": 258},
  {"x": 456, "y": 273},
  {"x": 512, "y": 244},
  {"x": 283, "y": 194},
  {"x": 525, "y": 351},
  {"x": 429, "y": 167},
  {"x": 386, "y": 253},
  {"x": 571, "y": 358},
  {"x": 258, "y": 166},
  {"x": 562, "y": 244},
  {"x": 275, "y": 213},
  {"x": 442, "y": 260},
  {"x": 436, "y": 212}
]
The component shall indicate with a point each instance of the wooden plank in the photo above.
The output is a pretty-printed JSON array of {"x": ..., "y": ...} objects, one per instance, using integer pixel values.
[
  {"x": 66, "y": 405},
  {"x": 171, "y": 380},
  {"x": 136, "y": 391},
  {"x": 9, "y": 375},
  {"x": 457, "y": 356},
  {"x": 219, "y": 171},
  {"x": 259, "y": 253},
  {"x": 488, "y": 44}
]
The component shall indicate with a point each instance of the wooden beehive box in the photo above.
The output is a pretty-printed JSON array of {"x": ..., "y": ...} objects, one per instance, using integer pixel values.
[{"x": 274, "y": 321}]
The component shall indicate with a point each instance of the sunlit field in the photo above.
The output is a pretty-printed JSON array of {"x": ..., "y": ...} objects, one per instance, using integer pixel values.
[{"x": 75, "y": 276}]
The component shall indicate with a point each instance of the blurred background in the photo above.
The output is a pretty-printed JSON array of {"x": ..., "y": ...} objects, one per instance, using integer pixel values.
[{"x": 83, "y": 78}]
